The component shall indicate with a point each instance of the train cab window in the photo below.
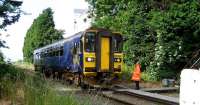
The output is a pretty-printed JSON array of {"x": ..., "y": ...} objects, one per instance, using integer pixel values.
[
  {"x": 118, "y": 44},
  {"x": 90, "y": 42}
]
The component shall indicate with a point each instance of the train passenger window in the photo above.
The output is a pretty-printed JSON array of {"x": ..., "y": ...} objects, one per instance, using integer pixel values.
[
  {"x": 54, "y": 52},
  {"x": 45, "y": 54},
  {"x": 51, "y": 53},
  {"x": 57, "y": 52},
  {"x": 90, "y": 42},
  {"x": 61, "y": 51},
  {"x": 118, "y": 44}
]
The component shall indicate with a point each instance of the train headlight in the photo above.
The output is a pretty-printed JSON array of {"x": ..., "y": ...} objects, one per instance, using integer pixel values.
[
  {"x": 118, "y": 59},
  {"x": 90, "y": 59}
]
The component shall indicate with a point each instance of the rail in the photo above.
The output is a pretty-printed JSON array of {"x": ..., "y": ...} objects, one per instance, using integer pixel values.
[{"x": 136, "y": 97}]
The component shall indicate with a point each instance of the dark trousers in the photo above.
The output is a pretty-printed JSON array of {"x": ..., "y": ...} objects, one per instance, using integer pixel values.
[{"x": 137, "y": 87}]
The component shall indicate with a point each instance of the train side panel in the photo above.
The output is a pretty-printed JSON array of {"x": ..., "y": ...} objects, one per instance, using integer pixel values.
[
  {"x": 70, "y": 60},
  {"x": 62, "y": 62}
]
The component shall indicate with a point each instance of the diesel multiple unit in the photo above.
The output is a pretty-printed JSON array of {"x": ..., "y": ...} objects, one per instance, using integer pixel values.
[{"x": 95, "y": 54}]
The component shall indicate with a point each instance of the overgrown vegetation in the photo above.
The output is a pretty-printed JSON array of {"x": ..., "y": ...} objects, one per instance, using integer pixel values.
[
  {"x": 42, "y": 32},
  {"x": 162, "y": 34},
  {"x": 17, "y": 87}
]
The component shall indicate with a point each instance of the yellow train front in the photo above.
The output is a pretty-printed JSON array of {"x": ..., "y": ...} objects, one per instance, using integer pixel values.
[{"x": 102, "y": 57}]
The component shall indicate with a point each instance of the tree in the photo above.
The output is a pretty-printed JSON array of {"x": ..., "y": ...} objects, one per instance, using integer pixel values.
[
  {"x": 9, "y": 13},
  {"x": 41, "y": 33},
  {"x": 1, "y": 58},
  {"x": 161, "y": 33},
  {"x": 177, "y": 30}
]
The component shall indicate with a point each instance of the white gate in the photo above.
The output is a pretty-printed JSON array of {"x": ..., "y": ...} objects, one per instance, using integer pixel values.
[{"x": 190, "y": 87}]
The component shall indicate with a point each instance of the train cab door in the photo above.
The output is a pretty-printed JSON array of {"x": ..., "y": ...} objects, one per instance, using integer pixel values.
[{"x": 105, "y": 54}]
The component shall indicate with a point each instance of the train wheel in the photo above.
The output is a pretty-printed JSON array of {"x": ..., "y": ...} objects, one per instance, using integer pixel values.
[
  {"x": 77, "y": 80},
  {"x": 47, "y": 74},
  {"x": 82, "y": 84},
  {"x": 36, "y": 68}
]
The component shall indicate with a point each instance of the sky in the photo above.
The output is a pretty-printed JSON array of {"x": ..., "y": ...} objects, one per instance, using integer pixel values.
[{"x": 64, "y": 17}]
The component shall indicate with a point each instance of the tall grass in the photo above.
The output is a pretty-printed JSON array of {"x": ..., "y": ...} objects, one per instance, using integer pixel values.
[
  {"x": 24, "y": 89},
  {"x": 10, "y": 79},
  {"x": 38, "y": 92},
  {"x": 24, "y": 65}
]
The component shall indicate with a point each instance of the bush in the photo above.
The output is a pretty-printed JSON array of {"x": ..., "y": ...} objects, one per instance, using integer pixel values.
[{"x": 127, "y": 72}]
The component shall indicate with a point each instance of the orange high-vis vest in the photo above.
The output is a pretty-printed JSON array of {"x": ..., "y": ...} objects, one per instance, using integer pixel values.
[{"x": 136, "y": 73}]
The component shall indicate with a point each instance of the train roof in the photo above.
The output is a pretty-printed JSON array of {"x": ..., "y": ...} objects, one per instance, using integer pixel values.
[
  {"x": 77, "y": 35},
  {"x": 60, "y": 42}
]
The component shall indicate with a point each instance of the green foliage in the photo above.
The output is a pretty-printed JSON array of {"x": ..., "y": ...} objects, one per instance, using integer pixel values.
[
  {"x": 41, "y": 33},
  {"x": 161, "y": 34},
  {"x": 147, "y": 77},
  {"x": 127, "y": 72},
  {"x": 9, "y": 12},
  {"x": 176, "y": 29},
  {"x": 1, "y": 59}
]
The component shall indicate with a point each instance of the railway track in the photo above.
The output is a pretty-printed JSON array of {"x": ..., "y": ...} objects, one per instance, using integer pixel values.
[
  {"x": 139, "y": 97},
  {"x": 128, "y": 96}
]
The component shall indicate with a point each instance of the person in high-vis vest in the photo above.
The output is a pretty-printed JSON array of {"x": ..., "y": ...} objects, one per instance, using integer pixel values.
[{"x": 136, "y": 75}]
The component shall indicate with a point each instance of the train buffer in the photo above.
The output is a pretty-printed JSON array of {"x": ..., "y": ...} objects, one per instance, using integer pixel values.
[{"x": 150, "y": 96}]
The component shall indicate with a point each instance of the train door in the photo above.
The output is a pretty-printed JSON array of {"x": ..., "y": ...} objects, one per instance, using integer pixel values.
[{"x": 105, "y": 53}]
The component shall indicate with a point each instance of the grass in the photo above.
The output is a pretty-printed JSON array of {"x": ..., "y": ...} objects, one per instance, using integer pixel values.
[
  {"x": 24, "y": 65},
  {"x": 19, "y": 88},
  {"x": 38, "y": 92}
]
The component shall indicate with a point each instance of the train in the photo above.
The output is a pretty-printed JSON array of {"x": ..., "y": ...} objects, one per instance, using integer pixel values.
[{"x": 93, "y": 56}]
